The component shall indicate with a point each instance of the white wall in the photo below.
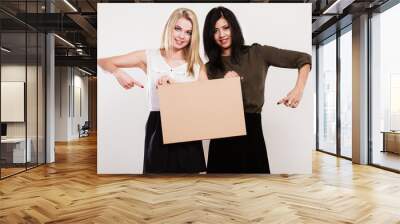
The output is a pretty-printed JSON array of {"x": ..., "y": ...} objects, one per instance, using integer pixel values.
[
  {"x": 61, "y": 103},
  {"x": 80, "y": 83},
  {"x": 289, "y": 133},
  {"x": 12, "y": 101},
  {"x": 68, "y": 81}
]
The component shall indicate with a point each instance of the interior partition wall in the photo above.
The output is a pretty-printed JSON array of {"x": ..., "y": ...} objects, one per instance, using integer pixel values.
[{"x": 22, "y": 77}]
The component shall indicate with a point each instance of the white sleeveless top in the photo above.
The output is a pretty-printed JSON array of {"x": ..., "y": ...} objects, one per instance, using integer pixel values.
[{"x": 158, "y": 67}]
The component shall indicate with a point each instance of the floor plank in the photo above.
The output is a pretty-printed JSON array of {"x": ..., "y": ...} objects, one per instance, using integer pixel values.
[{"x": 70, "y": 191}]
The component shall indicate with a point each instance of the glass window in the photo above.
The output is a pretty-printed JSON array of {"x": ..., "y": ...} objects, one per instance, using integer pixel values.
[
  {"x": 31, "y": 101},
  {"x": 22, "y": 91},
  {"x": 346, "y": 93},
  {"x": 327, "y": 96},
  {"x": 41, "y": 79},
  {"x": 14, "y": 153},
  {"x": 385, "y": 84}
]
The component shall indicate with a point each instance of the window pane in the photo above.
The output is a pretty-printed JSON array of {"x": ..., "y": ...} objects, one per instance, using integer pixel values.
[
  {"x": 31, "y": 100},
  {"x": 14, "y": 153},
  {"x": 386, "y": 89},
  {"x": 346, "y": 93},
  {"x": 41, "y": 98},
  {"x": 327, "y": 96}
]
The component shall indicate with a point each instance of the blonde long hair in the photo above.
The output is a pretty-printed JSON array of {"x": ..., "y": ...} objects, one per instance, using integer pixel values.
[{"x": 191, "y": 52}]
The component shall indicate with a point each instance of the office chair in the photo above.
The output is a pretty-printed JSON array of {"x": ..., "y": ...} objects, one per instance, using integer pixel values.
[{"x": 84, "y": 130}]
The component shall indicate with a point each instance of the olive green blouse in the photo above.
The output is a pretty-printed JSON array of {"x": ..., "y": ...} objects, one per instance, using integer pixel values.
[{"x": 253, "y": 67}]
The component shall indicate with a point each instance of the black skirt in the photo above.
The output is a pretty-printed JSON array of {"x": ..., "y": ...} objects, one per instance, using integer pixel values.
[
  {"x": 184, "y": 157},
  {"x": 241, "y": 154}
]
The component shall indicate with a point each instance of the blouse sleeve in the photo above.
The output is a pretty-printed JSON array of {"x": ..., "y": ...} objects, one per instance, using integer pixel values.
[{"x": 283, "y": 58}]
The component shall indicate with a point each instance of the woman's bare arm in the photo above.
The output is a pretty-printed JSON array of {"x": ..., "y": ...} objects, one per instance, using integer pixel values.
[
  {"x": 130, "y": 60},
  {"x": 203, "y": 73},
  {"x": 134, "y": 59}
]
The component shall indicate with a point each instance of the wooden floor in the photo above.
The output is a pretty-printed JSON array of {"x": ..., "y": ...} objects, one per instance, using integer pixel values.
[
  {"x": 5, "y": 172},
  {"x": 70, "y": 191},
  {"x": 387, "y": 159}
]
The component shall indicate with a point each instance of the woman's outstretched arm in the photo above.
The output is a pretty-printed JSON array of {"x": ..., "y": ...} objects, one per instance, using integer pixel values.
[
  {"x": 113, "y": 64},
  {"x": 293, "y": 98}
]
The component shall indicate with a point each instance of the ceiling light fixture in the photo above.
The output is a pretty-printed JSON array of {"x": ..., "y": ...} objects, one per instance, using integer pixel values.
[
  {"x": 5, "y": 49},
  {"x": 337, "y": 7},
  {"x": 329, "y": 9},
  {"x": 84, "y": 71},
  {"x": 64, "y": 40},
  {"x": 70, "y": 5}
]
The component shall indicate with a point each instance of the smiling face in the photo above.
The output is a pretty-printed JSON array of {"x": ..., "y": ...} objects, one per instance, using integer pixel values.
[
  {"x": 222, "y": 34},
  {"x": 181, "y": 34}
]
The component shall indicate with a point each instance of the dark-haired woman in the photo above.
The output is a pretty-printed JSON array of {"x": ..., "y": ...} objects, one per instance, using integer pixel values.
[{"x": 229, "y": 57}]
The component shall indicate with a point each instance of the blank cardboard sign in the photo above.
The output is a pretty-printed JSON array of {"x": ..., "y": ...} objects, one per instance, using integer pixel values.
[{"x": 201, "y": 110}]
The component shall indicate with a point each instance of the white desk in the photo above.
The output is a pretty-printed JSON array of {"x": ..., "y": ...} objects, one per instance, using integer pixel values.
[{"x": 18, "y": 150}]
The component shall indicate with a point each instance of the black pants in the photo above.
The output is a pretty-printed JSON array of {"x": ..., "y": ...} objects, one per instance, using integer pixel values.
[
  {"x": 241, "y": 154},
  {"x": 184, "y": 157}
]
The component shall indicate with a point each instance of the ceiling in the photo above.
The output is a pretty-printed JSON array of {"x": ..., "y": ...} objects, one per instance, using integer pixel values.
[{"x": 77, "y": 23}]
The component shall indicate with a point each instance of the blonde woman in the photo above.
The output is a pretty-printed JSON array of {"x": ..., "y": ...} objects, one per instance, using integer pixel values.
[{"x": 177, "y": 60}]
